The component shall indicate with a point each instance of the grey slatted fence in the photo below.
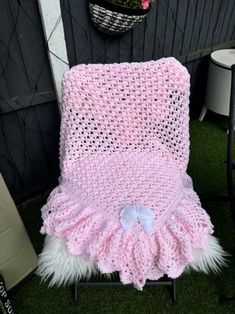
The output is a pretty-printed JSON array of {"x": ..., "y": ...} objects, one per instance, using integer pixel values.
[
  {"x": 186, "y": 29},
  {"x": 29, "y": 121}
]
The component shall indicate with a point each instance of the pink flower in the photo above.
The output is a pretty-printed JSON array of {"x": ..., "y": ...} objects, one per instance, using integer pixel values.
[{"x": 145, "y": 4}]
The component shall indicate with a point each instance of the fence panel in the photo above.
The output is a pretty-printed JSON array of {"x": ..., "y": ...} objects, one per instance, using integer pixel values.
[{"x": 29, "y": 120}]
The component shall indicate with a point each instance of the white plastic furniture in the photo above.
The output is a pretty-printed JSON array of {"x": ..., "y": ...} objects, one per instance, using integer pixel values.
[{"x": 219, "y": 82}]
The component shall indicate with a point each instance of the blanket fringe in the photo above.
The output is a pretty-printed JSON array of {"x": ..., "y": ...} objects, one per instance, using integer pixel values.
[{"x": 56, "y": 263}]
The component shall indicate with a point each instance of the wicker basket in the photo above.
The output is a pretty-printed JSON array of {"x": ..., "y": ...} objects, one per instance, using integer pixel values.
[{"x": 113, "y": 18}]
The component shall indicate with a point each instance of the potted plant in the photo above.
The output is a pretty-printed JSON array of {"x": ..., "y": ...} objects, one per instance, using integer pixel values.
[{"x": 118, "y": 16}]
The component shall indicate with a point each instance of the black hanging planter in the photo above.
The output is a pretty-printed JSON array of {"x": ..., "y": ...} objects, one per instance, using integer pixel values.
[{"x": 114, "y": 19}]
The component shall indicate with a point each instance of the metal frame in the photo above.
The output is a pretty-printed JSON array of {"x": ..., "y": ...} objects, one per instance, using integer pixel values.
[
  {"x": 171, "y": 283},
  {"x": 230, "y": 144},
  {"x": 231, "y": 163},
  {"x": 229, "y": 160}
]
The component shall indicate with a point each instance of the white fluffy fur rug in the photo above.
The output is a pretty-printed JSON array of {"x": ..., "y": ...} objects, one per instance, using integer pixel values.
[{"x": 63, "y": 268}]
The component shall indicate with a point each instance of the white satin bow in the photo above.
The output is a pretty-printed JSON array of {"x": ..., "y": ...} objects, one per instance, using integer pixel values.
[{"x": 130, "y": 214}]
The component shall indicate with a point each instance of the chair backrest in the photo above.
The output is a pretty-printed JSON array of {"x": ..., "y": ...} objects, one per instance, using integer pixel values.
[{"x": 125, "y": 107}]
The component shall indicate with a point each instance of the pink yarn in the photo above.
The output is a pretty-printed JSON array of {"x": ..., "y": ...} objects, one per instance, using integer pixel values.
[{"x": 125, "y": 142}]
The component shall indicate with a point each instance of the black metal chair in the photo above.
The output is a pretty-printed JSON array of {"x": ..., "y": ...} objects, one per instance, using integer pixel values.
[
  {"x": 230, "y": 144},
  {"x": 231, "y": 162},
  {"x": 165, "y": 281}
]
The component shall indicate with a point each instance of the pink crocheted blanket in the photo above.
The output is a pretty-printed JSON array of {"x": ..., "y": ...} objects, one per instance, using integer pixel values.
[{"x": 124, "y": 200}]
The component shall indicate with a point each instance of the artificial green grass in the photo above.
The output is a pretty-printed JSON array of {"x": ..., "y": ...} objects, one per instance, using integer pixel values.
[{"x": 196, "y": 293}]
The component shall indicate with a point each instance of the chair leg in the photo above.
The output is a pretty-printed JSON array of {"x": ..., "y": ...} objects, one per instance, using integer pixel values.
[
  {"x": 173, "y": 291},
  {"x": 75, "y": 293},
  {"x": 203, "y": 113},
  {"x": 230, "y": 164}
]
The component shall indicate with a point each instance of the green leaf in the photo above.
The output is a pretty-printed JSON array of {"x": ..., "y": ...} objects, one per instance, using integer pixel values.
[{"x": 135, "y": 4}]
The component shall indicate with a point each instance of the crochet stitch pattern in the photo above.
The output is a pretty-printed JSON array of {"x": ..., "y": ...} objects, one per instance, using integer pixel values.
[{"x": 124, "y": 200}]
